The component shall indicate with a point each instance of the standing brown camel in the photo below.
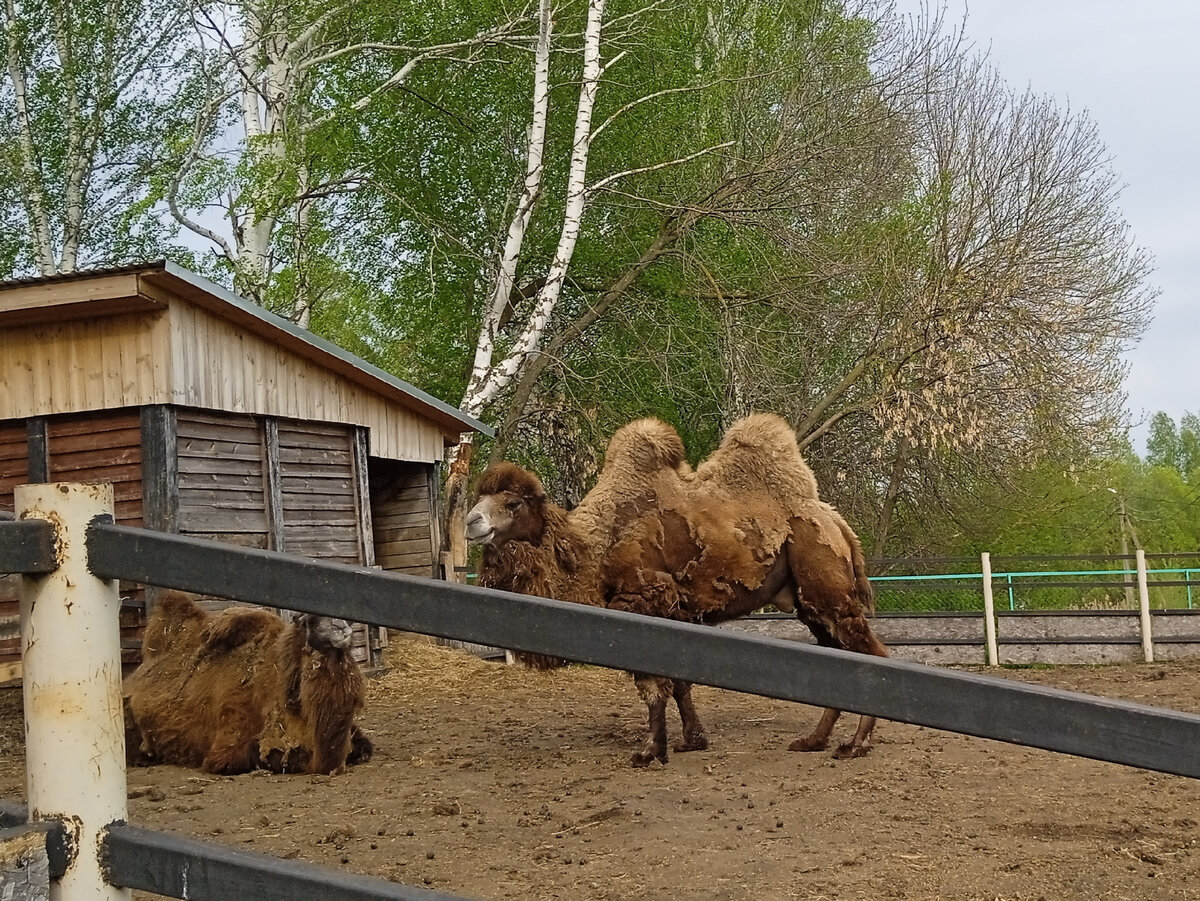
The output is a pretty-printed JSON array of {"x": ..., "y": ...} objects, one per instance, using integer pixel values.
[{"x": 744, "y": 530}]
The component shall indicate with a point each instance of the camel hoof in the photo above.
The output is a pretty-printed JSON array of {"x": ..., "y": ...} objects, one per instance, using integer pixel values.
[
  {"x": 645, "y": 758},
  {"x": 850, "y": 751},
  {"x": 698, "y": 743},
  {"x": 808, "y": 744}
]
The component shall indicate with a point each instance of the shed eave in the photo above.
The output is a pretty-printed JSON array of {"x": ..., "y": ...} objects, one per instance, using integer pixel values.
[{"x": 223, "y": 302}]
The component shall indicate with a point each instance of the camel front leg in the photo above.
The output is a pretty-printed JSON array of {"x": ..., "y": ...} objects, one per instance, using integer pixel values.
[
  {"x": 818, "y": 739},
  {"x": 694, "y": 738},
  {"x": 860, "y": 744},
  {"x": 655, "y": 691}
]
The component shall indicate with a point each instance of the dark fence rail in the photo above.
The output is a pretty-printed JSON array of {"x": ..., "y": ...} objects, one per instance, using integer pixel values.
[
  {"x": 181, "y": 867},
  {"x": 967, "y": 703},
  {"x": 27, "y": 547}
]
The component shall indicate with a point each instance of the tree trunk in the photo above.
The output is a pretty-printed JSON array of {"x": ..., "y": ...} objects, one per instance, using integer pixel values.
[
  {"x": 899, "y": 465},
  {"x": 454, "y": 535}
]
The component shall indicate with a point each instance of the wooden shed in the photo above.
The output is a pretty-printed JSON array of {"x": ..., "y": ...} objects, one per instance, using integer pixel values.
[{"x": 217, "y": 419}]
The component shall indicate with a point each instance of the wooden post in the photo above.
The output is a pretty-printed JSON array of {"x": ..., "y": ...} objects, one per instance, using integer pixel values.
[
  {"x": 1144, "y": 605},
  {"x": 38, "y": 449},
  {"x": 74, "y": 725},
  {"x": 989, "y": 611}
]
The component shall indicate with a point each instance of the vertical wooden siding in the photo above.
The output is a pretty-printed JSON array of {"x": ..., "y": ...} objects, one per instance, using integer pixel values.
[
  {"x": 89, "y": 364},
  {"x": 216, "y": 365}
]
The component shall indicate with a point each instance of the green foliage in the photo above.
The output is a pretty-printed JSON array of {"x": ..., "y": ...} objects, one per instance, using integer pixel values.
[
  {"x": 1174, "y": 447},
  {"x": 88, "y": 91},
  {"x": 814, "y": 242}
]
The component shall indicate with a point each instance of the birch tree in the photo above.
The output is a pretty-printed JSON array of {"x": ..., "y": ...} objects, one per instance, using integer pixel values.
[
  {"x": 786, "y": 118},
  {"x": 85, "y": 90},
  {"x": 292, "y": 87},
  {"x": 495, "y": 369}
]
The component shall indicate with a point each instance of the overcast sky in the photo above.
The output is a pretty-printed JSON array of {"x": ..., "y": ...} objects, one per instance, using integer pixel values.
[{"x": 1134, "y": 68}]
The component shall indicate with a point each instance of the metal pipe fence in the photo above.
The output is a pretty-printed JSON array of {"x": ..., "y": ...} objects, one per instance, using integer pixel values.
[{"x": 1026, "y": 587}]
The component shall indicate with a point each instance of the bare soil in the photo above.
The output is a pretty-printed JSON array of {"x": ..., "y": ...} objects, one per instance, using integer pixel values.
[{"x": 498, "y": 782}]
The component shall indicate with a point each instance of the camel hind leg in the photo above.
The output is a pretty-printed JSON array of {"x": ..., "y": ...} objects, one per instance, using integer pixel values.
[
  {"x": 833, "y": 600},
  {"x": 818, "y": 739},
  {"x": 694, "y": 738},
  {"x": 655, "y": 691}
]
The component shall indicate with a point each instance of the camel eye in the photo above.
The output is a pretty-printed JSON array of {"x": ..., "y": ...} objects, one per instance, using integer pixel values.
[{"x": 513, "y": 506}]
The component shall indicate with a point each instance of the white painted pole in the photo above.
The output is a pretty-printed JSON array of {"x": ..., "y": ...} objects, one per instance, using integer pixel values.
[
  {"x": 74, "y": 726},
  {"x": 1144, "y": 604},
  {"x": 989, "y": 611}
]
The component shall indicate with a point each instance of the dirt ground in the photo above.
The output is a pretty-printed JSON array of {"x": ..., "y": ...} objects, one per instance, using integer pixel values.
[{"x": 498, "y": 782}]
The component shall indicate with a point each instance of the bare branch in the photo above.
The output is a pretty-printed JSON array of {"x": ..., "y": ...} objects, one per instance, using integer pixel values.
[{"x": 616, "y": 176}]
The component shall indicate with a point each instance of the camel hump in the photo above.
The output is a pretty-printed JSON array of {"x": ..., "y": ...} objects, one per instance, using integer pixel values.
[
  {"x": 645, "y": 445},
  {"x": 759, "y": 453},
  {"x": 176, "y": 607}
]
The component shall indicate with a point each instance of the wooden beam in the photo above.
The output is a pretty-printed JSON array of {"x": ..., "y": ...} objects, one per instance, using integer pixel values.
[
  {"x": 362, "y": 489},
  {"x": 273, "y": 483},
  {"x": 78, "y": 298},
  {"x": 27, "y": 546},
  {"x": 160, "y": 468},
  {"x": 160, "y": 477},
  {"x": 38, "y": 449}
]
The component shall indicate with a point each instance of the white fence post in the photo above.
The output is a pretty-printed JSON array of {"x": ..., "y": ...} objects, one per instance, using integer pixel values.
[
  {"x": 1144, "y": 604},
  {"x": 989, "y": 611},
  {"x": 74, "y": 725}
]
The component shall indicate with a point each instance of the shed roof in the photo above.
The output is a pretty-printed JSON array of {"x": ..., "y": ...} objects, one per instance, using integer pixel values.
[{"x": 43, "y": 300}]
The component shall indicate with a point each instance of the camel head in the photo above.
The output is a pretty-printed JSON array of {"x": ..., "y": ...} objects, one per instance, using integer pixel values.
[
  {"x": 325, "y": 633},
  {"x": 509, "y": 506}
]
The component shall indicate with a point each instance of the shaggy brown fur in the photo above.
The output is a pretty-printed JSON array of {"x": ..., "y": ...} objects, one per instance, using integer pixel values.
[
  {"x": 241, "y": 689},
  {"x": 745, "y": 529},
  {"x": 541, "y": 554}
]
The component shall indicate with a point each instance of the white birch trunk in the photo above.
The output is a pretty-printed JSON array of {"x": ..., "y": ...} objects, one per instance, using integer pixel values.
[
  {"x": 35, "y": 196},
  {"x": 501, "y": 375},
  {"x": 79, "y": 159},
  {"x": 506, "y": 269},
  {"x": 265, "y": 81}
]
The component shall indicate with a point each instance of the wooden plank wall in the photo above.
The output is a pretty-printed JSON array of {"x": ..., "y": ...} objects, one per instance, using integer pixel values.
[
  {"x": 105, "y": 447},
  {"x": 252, "y": 481},
  {"x": 272, "y": 483},
  {"x": 318, "y": 492},
  {"x": 90, "y": 447},
  {"x": 217, "y": 365},
  {"x": 222, "y": 478},
  {"x": 320, "y": 502},
  {"x": 14, "y": 470},
  {"x": 404, "y": 516}
]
